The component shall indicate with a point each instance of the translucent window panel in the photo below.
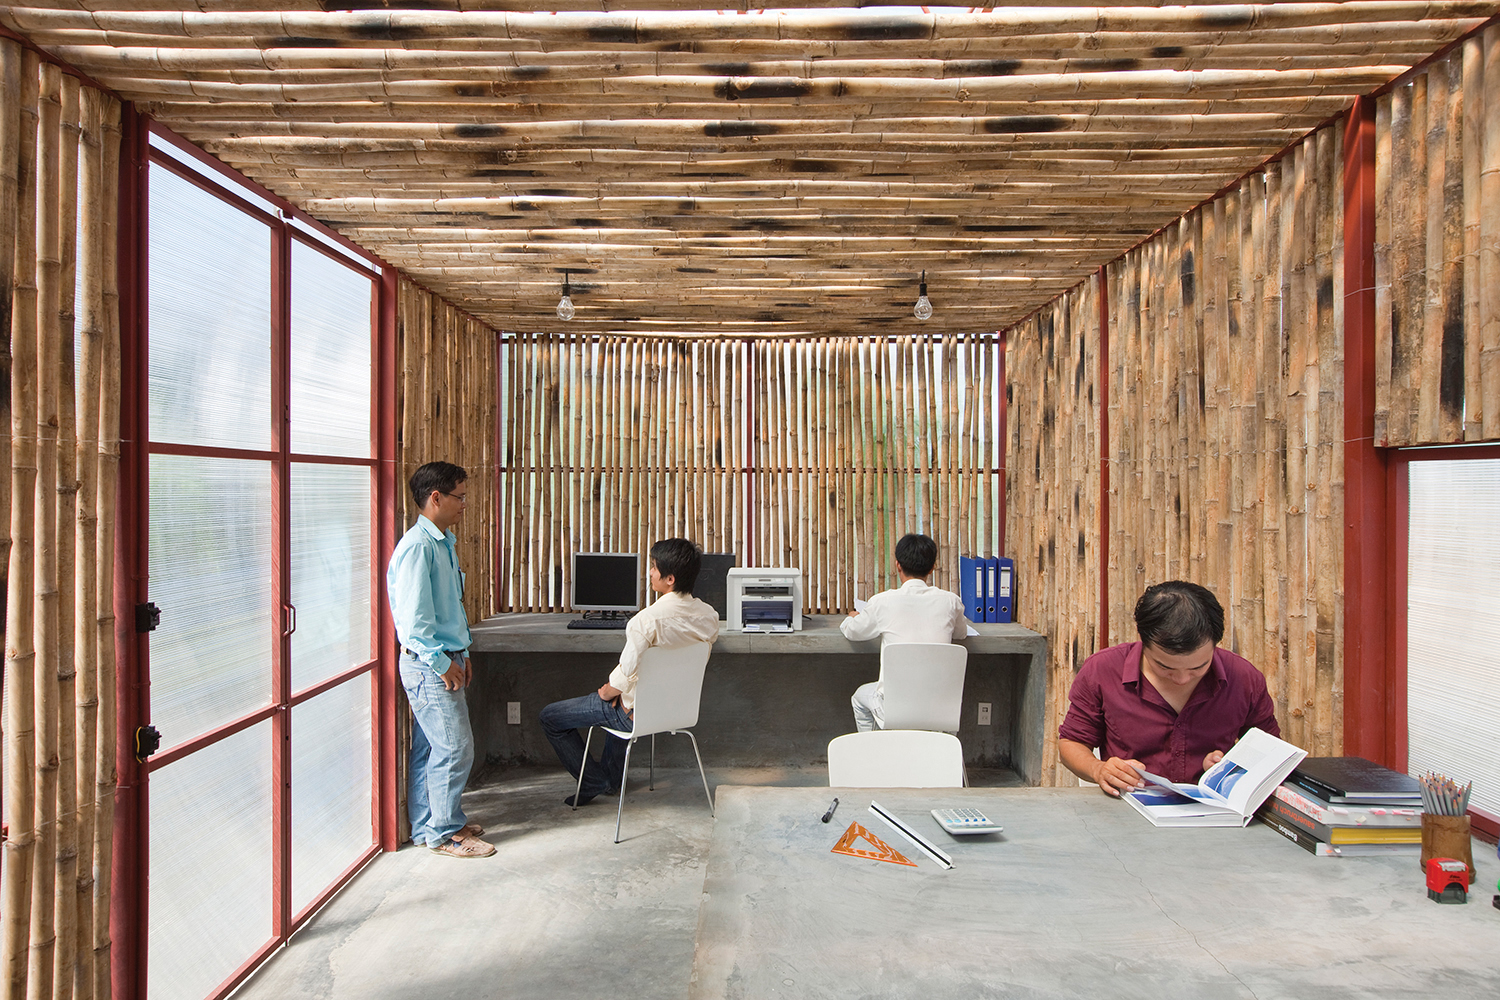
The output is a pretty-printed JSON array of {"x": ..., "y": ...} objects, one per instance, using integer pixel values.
[
  {"x": 330, "y": 570},
  {"x": 330, "y": 392},
  {"x": 210, "y": 566},
  {"x": 1453, "y": 624},
  {"x": 210, "y": 321},
  {"x": 331, "y": 819},
  {"x": 210, "y": 865}
]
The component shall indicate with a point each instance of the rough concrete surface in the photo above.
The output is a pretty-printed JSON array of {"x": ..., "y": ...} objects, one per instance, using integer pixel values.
[{"x": 559, "y": 910}]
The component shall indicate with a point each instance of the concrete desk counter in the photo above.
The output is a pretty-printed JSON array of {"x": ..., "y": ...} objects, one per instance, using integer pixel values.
[
  {"x": 1079, "y": 897},
  {"x": 768, "y": 699}
]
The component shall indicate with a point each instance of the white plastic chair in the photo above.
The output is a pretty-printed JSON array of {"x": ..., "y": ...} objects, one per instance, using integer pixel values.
[
  {"x": 896, "y": 758},
  {"x": 924, "y": 685},
  {"x": 668, "y": 688}
]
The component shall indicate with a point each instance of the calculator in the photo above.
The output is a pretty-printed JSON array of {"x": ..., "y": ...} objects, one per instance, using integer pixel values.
[{"x": 963, "y": 821}]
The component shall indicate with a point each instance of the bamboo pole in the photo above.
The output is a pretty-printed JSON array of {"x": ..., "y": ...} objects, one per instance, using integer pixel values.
[
  {"x": 1471, "y": 88},
  {"x": 1429, "y": 351},
  {"x": 65, "y": 888},
  {"x": 21, "y": 847},
  {"x": 109, "y": 458},
  {"x": 46, "y": 624},
  {"x": 1489, "y": 243},
  {"x": 92, "y": 327},
  {"x": 1385, "y": 252},
  {"x": 1450, "y": 376}
]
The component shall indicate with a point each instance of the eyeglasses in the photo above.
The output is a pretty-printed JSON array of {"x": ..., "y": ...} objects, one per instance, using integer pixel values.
[{"x": 460, "y": 497}]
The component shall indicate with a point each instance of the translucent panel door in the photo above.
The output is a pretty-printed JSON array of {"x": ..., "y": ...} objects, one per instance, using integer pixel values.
[{"x": 259, "y": 510}]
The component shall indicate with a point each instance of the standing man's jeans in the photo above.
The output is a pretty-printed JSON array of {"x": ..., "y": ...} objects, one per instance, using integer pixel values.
[
  {"x": 561, "y": 721},
  {"x": 442, "y": 752},
  {"x": 868, "y": 702}
]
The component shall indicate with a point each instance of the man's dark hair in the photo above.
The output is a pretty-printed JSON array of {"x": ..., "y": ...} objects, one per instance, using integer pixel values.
[
  {"x": 1179, "y": 617},
  {"x": 441, "y": 476},
  {"x": 916, "y": 555},
  {"x": 680, "y": 559}
]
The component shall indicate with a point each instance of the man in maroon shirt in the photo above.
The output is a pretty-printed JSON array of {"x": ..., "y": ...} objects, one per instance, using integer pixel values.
[{"x": 1171, "y": 703}]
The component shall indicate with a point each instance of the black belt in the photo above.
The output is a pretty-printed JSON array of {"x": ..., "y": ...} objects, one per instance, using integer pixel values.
[{"x": 446, "y": 652}]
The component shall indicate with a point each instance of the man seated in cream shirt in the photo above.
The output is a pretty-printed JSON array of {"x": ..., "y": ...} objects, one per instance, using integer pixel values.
[
  {"x": 913, "y": 612},
  {"x": 675, "y": 618}
]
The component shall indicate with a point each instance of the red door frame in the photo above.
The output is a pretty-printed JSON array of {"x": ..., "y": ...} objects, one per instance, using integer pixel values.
[{"x": 130, "y": 871}]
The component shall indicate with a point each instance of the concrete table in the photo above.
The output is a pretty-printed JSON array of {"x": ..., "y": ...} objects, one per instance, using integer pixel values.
[
  {"x": 768, "y": 699},
  {"x": 1079, "y": 897}
]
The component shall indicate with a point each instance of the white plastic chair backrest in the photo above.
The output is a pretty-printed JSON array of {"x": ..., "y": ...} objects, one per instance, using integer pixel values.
[
  {"x": 896, "y": 758},
  {"x": 669, "y": 686},
  {"x": 924, "y": 685}
]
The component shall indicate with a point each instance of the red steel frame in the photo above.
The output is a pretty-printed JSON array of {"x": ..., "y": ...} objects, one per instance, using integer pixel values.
[{"x": 129, "y": 913}]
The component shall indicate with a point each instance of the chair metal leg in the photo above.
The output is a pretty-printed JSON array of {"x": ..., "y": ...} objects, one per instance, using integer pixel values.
[
  {"x": 582, "y": 765},
  {"x": 624, "y": 773},
  {"x": 652, "y": 785},
  {"x": 706, "y": 792}
]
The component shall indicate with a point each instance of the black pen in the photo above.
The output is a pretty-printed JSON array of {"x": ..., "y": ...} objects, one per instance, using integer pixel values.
[{"x": 829, "y": 814}]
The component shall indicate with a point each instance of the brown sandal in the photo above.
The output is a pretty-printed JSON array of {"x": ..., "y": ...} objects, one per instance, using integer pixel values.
[
  {"x": 470, "y": 848},
  {"x": 470, "y": 830}
]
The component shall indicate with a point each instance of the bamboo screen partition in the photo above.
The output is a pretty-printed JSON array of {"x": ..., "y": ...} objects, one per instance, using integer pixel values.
[
  {"x": 1225, "y": 424},
  {"x": 446, "y": 411},
  {"x": 1437, "y": 251},
  {"x": 59, "y": 149},
  {"x": 1052, "y": 488},
  {"x": 816, "y": 454}
]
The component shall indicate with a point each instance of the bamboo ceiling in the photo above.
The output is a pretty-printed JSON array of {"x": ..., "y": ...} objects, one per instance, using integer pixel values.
[{"x": 743, "y": 172}]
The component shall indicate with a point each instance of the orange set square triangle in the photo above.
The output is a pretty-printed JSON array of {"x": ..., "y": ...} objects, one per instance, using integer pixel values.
[{"x": 882, "y": 851}]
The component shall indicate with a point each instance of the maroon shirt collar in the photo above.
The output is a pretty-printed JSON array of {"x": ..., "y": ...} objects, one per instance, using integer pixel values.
[{"x": 1130, "y": 675}]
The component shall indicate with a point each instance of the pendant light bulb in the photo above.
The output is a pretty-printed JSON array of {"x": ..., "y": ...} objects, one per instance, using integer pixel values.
[
  {"x": 565, "y": 304},
  {"x": 923, "y": 308}
]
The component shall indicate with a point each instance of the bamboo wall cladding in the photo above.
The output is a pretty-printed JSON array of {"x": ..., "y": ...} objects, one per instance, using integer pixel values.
[
  {"x": 1225, "y": 424},
  {"x": 1437, "y": 251},
  {"x": 446, "y": 411},
  {"x": 1052, "y": 490},
  {"x": 59, "y": 436},
  {"x": 815, "y": 453}
]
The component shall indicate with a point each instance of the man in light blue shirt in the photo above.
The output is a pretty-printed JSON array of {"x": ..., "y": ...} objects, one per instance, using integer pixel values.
[{"x": 426, "y": 590}]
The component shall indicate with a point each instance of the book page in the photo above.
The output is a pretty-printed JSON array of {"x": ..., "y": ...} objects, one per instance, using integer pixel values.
[{"x": 1251, "y": 769}]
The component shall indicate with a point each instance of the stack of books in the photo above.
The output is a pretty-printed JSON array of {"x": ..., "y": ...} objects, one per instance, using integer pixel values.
[{"x": 1345, "y": 806}]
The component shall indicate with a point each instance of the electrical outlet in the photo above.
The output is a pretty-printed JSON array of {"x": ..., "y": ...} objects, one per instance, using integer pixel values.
[
  {"x": 513, "y": 713},
  {"x": 984, "y": 713}
]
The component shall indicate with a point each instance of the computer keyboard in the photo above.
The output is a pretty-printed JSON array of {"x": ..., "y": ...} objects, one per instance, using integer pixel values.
[
  {"x": 613, "y": 623},
  {"x": 964, "y": 821}
]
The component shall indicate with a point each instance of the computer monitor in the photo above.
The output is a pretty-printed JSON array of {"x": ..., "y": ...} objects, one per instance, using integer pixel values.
[
  {"x": 606, "y": 581},
  {"x": 710, "y": 587}
]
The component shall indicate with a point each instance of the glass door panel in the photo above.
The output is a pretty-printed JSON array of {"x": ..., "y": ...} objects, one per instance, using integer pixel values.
[
  {"x": 331, "y": 807},
  {"x": 330, "y": 378},
  {"x": 210, "y": 864},
  {"x": 210, "y": 571},
  {"x": 210, "y": 301},
  {"x": 330, "y": 570}
]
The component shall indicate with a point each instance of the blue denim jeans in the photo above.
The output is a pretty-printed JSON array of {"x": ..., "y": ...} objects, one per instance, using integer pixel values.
[
  {"x": 561, "y": 721},
  {"x": 442, "y": 752}
]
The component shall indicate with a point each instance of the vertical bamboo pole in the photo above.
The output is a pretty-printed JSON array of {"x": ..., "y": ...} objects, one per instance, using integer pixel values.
[
  {"x": 1489, "y": 241},
  {"x": 1384, "y": 266},
  {"x": 1471, "y": 88},
  {"x": 109, "y": 459},
  {"x": 65, "y": 888},
  {"x": 85, "y": 616},
  {"x": 39, "y": 980},
  {"x": 1429, "y": 351},
  {"x": 21, "y": 783}
]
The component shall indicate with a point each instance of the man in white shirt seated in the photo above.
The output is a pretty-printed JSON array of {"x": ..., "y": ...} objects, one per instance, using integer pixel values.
[
  {"x": 675, "y": 618},
  {"x": 913, "y": 612}
]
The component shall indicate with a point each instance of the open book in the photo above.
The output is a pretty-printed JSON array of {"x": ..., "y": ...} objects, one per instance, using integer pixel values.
[{"x": 1228, "y": 793}]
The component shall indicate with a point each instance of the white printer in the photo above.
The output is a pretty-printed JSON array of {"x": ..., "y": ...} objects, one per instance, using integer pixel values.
[{"x": 764, "y": 600}]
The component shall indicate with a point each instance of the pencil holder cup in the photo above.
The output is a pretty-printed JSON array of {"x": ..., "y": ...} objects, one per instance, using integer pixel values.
[{"x": 1446, "y": 837}]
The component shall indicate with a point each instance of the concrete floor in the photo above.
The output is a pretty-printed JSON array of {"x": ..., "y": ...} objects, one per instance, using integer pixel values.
[{"x": 560, "y": 910}]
